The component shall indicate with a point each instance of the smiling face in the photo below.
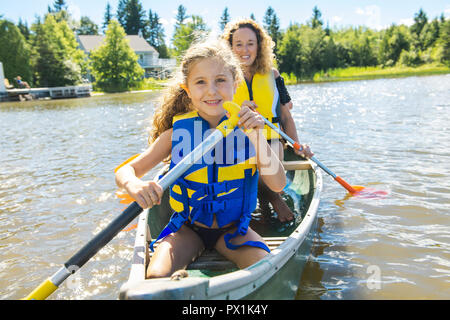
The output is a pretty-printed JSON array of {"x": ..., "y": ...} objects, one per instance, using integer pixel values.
[
  {"x": 245, "y": 46},
  {"x": 209, "y": 85}
]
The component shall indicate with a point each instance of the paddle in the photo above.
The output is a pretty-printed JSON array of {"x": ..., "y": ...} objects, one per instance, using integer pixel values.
[
  {"x": 297, "y": 146},
  {"x": 47, "y": 287}
]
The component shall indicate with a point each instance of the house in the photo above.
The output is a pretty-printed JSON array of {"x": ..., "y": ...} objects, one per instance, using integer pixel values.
[{"x": 148, "y": 57}]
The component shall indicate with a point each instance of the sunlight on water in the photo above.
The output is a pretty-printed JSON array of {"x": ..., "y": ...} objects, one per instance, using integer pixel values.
[{"x": 58, "y": 188}]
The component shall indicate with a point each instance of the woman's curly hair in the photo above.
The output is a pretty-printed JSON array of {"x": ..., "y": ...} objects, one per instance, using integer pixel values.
[{"x": 265, "y": 56}]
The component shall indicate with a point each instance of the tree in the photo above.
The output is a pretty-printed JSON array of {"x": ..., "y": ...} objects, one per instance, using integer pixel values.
[
  {"x": 121, "y": 12},
  {"x": 252, "y": 16},
  {"x": 56, "y": 58},
  {"x": 272, "y": 25},
  {"x": 185, "y": 34},
  {"x": 444, "y": 42},
  {"x": 114, "y": 64},
  {"x": 155, "y": 34},
  {"x": 87, "y": 27},
  {"x": 392, "y": 44},
  {"x": 420, "y": 20},
  {"x": 181, "y": 16},
  {"x": 23, "y": 27},
  {"x": 315, "y": 21},
  {"x": 107, "y": 17},
  {"x": 224, "y": 19},
  {"x": 134, "y": 17},
  {"x": 289, "y": 51},
  {"x": 59, "y": 5},
  {"x": 14, "y": 52}
]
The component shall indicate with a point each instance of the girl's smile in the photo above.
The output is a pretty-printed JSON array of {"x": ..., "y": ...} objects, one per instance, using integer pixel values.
[{"x": 209, "y": 85}]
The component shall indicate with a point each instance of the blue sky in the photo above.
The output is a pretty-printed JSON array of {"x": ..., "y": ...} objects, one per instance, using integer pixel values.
[{"x": 376, "y": 14}]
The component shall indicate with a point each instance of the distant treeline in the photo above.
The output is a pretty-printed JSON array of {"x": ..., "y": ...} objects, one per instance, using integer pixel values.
[{"x": 47, "y": 53}]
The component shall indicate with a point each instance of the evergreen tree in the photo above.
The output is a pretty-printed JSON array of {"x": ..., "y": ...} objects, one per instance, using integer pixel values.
[
  {"x": 316, "y": 21},
  {"x": 134, "y": 18},
  {"x": 122, "y": 12},
  {"x": 272, "y": 25},
  {"x": 14, "y": 52},
  {"x": 181, "y": 16},
  {"x": 252, "y": 16},
  {"x": 420, "y": 20},
  {"x": 107, "y": 17},
  {"x": 444, "y": 42},
  {"x": 59, "y": 5},
  {"x": 114, "y": 64},
  {"x": 224, "y": 19},
  {"x": 155, "y": 34},
  {"x": 56, "y": 57},
  {"x": 87, "y": 27},
  {"x": 23, "y": 27}
]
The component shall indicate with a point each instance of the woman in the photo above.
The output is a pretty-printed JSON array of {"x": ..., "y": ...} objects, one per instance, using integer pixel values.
[{"x": 254, "y": 49}]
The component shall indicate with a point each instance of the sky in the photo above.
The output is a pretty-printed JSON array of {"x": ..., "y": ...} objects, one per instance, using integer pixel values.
[{"x": 376, "y": 14}]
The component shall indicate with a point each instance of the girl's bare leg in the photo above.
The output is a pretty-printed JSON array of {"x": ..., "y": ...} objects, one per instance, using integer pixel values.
[
  {"x": 175, "y": 252},
  {"x": 244, "y": 256}
]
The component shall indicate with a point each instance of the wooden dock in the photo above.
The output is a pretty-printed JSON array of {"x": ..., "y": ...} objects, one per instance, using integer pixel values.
[{"x": 51, "y": 93}]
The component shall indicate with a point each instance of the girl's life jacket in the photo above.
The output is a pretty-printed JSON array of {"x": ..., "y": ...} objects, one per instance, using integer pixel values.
[
  {"x": 263, "y": 91},
  {"x": 223, "y": 184}
]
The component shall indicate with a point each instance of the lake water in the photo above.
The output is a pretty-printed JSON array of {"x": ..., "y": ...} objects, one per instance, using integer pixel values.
[{"x": 57, "y": 188}]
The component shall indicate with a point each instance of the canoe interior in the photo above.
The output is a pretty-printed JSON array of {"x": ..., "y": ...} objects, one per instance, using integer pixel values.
[{"x": 298, "y": 193}]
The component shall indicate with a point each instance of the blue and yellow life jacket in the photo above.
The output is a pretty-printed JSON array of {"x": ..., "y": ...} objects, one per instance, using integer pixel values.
[
  {"x": 263, "y": 91},
  {"x": 223, "y": 184}
]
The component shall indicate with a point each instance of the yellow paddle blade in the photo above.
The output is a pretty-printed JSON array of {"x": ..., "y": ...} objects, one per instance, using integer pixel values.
[
  {"x": 126, "y": 161},
  {"x": 358, "y": 188}
]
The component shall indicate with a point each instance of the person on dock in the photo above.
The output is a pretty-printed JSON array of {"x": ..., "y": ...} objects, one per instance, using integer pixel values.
[
  {"x": 266, "y": 93},
  {"x": 22, "y": 84},
  {"x": 213, "y": 200}
]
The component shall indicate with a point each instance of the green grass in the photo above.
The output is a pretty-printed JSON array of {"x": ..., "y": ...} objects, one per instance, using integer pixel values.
[
  {"x": 367, "y": 73},
  {"x": 143, "y": 85},
  {"x": 149, "y": 84}
]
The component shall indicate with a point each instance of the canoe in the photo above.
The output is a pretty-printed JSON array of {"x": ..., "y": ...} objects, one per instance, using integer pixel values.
[{"x": 213, "y": 277}]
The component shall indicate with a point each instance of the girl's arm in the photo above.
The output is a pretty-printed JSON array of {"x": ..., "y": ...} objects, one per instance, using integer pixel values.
[
  {"x": 146, "y": 193},
  {"x": 270, "y": 167}
]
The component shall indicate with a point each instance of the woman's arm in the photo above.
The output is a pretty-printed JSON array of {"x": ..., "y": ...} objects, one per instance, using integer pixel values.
[{"x": 146, "y": 193}]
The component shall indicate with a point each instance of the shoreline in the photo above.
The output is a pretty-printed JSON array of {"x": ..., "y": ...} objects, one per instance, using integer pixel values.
[{"x": 368, "y": 73}]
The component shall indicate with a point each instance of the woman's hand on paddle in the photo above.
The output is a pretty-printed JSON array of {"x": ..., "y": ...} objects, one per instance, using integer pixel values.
[
  {"x": 146, "y": 193},
  {"x": 304, "y": 151},
  {"x": 249, "y": 119}
]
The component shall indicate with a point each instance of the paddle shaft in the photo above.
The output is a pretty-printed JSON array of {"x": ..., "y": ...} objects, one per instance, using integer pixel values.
[
  {"x": 104, "y": 237},
  {"x": 297, "y": 146}
]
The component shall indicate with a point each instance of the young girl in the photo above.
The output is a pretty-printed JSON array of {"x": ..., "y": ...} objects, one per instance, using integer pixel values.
[
  {"x": 264, "y": 88},
  {"x": 213, "y": 200}
]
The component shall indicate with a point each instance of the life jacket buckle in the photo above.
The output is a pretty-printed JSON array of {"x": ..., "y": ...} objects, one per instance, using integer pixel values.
[{"x": 214, "y": 206}]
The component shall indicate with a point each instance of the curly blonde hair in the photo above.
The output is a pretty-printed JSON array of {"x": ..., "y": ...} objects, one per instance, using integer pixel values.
[
  {"x": 265, "y": 56},
  {"x": 175, "y": 100}
]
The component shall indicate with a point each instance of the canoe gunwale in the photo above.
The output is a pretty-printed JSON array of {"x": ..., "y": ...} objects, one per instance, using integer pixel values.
[{"x": 234, "y": 285}]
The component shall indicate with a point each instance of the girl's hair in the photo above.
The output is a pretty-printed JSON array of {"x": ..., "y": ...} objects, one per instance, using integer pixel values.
[
  {"x": 265, "y": 56},
  {"x": 175, "y": 100}
]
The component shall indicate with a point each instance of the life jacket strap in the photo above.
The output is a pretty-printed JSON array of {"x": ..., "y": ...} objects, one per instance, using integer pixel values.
[{"x": 257, "y": 244}]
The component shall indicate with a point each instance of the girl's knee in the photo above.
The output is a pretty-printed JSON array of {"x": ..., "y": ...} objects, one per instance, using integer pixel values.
[{"x": 153, "y": 273}]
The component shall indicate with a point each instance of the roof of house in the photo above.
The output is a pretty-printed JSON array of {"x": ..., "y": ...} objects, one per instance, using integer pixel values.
[{"x": 137, "y": 43}]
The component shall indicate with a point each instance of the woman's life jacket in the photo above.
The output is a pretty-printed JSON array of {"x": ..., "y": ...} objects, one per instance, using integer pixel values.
[
  {"x": 263, "y": 91},
  {"x": 222, "y": 184}
]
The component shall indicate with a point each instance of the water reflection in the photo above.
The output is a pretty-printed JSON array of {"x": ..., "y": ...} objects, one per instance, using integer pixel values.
[{"x": 57, "y": 188}]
